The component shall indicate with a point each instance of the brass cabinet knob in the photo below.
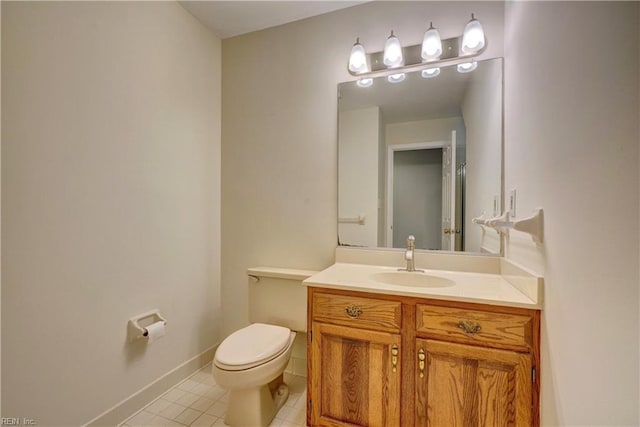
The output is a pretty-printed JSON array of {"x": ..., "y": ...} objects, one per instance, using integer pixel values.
[
  {"x": 353, "y": 311},
  {"x": 469, "y": 327}
]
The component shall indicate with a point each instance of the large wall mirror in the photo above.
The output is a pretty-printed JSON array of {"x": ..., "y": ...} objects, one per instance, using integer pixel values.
[{"x": 422, "y": 157}]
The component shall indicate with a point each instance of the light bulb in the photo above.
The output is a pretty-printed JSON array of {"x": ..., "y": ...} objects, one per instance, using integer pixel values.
[
  {"x": 364, "y": 82},
  {"x": 431, "y": 72},
  {"x": 472, "y": 37},
  {"x": 431, "y": 44},
  {"x": 358, "y": 58},
  {"x": 396, "y": 78},
  {"x": 467, "y": 67},
  {"x": 393, "y": 52}
]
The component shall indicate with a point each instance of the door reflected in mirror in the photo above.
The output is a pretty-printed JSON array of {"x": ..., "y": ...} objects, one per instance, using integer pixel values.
[{"x": 421, "y": 157}]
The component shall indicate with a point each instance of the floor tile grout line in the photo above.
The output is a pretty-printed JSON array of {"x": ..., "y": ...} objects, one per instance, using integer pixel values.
[
  {"x": 175, "y": 386},
  {"x": 202, "y": 377}
]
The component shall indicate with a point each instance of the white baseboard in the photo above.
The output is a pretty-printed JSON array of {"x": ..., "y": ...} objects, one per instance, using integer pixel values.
[{"x": 129, "y": 406}]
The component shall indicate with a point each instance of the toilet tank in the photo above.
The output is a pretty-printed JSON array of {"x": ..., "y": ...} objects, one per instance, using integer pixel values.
[{"x": 278, "y": 297}]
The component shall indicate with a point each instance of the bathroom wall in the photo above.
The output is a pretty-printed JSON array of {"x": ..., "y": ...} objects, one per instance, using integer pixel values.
[
  {"x": 482, "y": 113},
  {"x": 110, "y": 200},
  {"x": 571, "y": 132},
  {"x": 358, "y": 169},
  {"x": 279, "y": 131},
  {"x": 425, "y": 131},
  {"x": 572, "y": 137}
]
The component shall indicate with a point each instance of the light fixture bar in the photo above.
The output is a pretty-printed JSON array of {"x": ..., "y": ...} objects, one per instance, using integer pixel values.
[{"x": 413, "y": 59}]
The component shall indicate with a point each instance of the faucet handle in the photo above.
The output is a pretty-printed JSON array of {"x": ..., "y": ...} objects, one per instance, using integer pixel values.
[{"x": 411, "y": 241}]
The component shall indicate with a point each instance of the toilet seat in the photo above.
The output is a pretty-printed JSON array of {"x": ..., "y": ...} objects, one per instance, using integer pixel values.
[{"x": 252, "y": 346}]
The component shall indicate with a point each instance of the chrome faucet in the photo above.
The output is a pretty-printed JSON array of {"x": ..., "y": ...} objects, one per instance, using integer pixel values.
[{"x": 409, "y": 255}]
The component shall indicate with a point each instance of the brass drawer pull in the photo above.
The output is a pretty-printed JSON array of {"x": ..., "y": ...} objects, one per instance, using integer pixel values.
[
  {"x": 394, "y": 358},
  {"x": 421, "y": 358},
  {"x": 353, "y": 311},
  {"x": 469, "y": 327}
]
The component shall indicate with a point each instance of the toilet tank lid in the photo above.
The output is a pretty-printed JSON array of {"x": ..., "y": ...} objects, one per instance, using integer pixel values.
[{"x": 253, "y": 344}]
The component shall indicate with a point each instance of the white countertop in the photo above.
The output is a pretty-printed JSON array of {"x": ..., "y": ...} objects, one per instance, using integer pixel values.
[
  {"x": 469, "y": 286},
  {"x": 280, "y": 273}
]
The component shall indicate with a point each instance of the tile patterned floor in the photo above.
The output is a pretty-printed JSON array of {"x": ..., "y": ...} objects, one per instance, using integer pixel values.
[{"x": 198, "y": 401}]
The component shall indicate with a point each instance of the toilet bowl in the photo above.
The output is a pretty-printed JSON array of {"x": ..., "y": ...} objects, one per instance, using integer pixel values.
[{"x": 250, "y": 364}]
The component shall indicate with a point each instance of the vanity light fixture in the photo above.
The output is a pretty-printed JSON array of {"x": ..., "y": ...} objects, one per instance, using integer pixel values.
[
  {"x": 431, "y": 44},
  {"x": 472, "y": 37},
  {"x": 430, "y": 72},
  {"x": 395, "y": 61},
  {"x": 393, "y": 52},
  {"x": 396, "y": 78},
  {"x": 358, "y": 58},
  {"x": 365, "y": 82},
  {"x": 467, "y": 67},
  {"x": 358, "y": 63}
]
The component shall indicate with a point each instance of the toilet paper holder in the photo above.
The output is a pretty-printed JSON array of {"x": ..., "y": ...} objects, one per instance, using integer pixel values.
[{"x": 137, "y": 326}]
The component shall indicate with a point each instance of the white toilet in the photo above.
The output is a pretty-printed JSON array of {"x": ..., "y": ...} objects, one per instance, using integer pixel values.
[{"x": 251, "y": 361}]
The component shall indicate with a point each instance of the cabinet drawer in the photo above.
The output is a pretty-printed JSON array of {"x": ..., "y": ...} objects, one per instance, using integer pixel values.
[
  {"x": 359, "y": 312},
  {"x": 475, "y": 326}
]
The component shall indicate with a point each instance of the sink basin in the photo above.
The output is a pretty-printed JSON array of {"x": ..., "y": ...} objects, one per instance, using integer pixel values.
[{"x": 418, "y": 279}]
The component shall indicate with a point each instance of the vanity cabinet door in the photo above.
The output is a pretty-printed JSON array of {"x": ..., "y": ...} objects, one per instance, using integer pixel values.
[
  {"x": 464, "y": 385},
  {"x": 354, "y": 377}
]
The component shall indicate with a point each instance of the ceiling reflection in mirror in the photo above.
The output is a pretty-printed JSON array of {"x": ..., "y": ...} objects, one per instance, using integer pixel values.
[{"x": 421, "y": 157}]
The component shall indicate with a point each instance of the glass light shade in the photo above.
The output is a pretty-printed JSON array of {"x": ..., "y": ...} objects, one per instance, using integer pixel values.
[
  {"x": 431, "y": 72},
  {"x": 358, "y": 59},
  {"x": 431, "y": 45},
  {"x": 364, "y": 82},
  {"x": 472, "y": 37},
  {"x": 467, "y": 67},
  {"x": 396, "y": 78},
  {"x": 393, "y": 52}
]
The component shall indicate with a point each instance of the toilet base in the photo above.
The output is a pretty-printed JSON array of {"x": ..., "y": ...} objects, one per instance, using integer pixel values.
[{"x": 256, "y": 406}]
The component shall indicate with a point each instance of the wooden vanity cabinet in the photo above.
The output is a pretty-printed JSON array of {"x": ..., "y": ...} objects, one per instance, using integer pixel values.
[
  {"x": 476, "y": 366},
  {"x": 464, "y": 385},
  {"x": 383, "y": 360},
  {"x": 356, "y": 374}
]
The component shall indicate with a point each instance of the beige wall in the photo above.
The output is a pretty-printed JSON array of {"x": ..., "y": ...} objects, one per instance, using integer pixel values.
[
  {"x": 359, "y": 133},
  {"x": 572, "y": 148},
  {"x": 279, "y": 138},
  {"x": 110, "y": 165},
  {"x": 110, "y": 200},
  {"x": 433, "y": 130},
  {"x": 482, "y": 113}
]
